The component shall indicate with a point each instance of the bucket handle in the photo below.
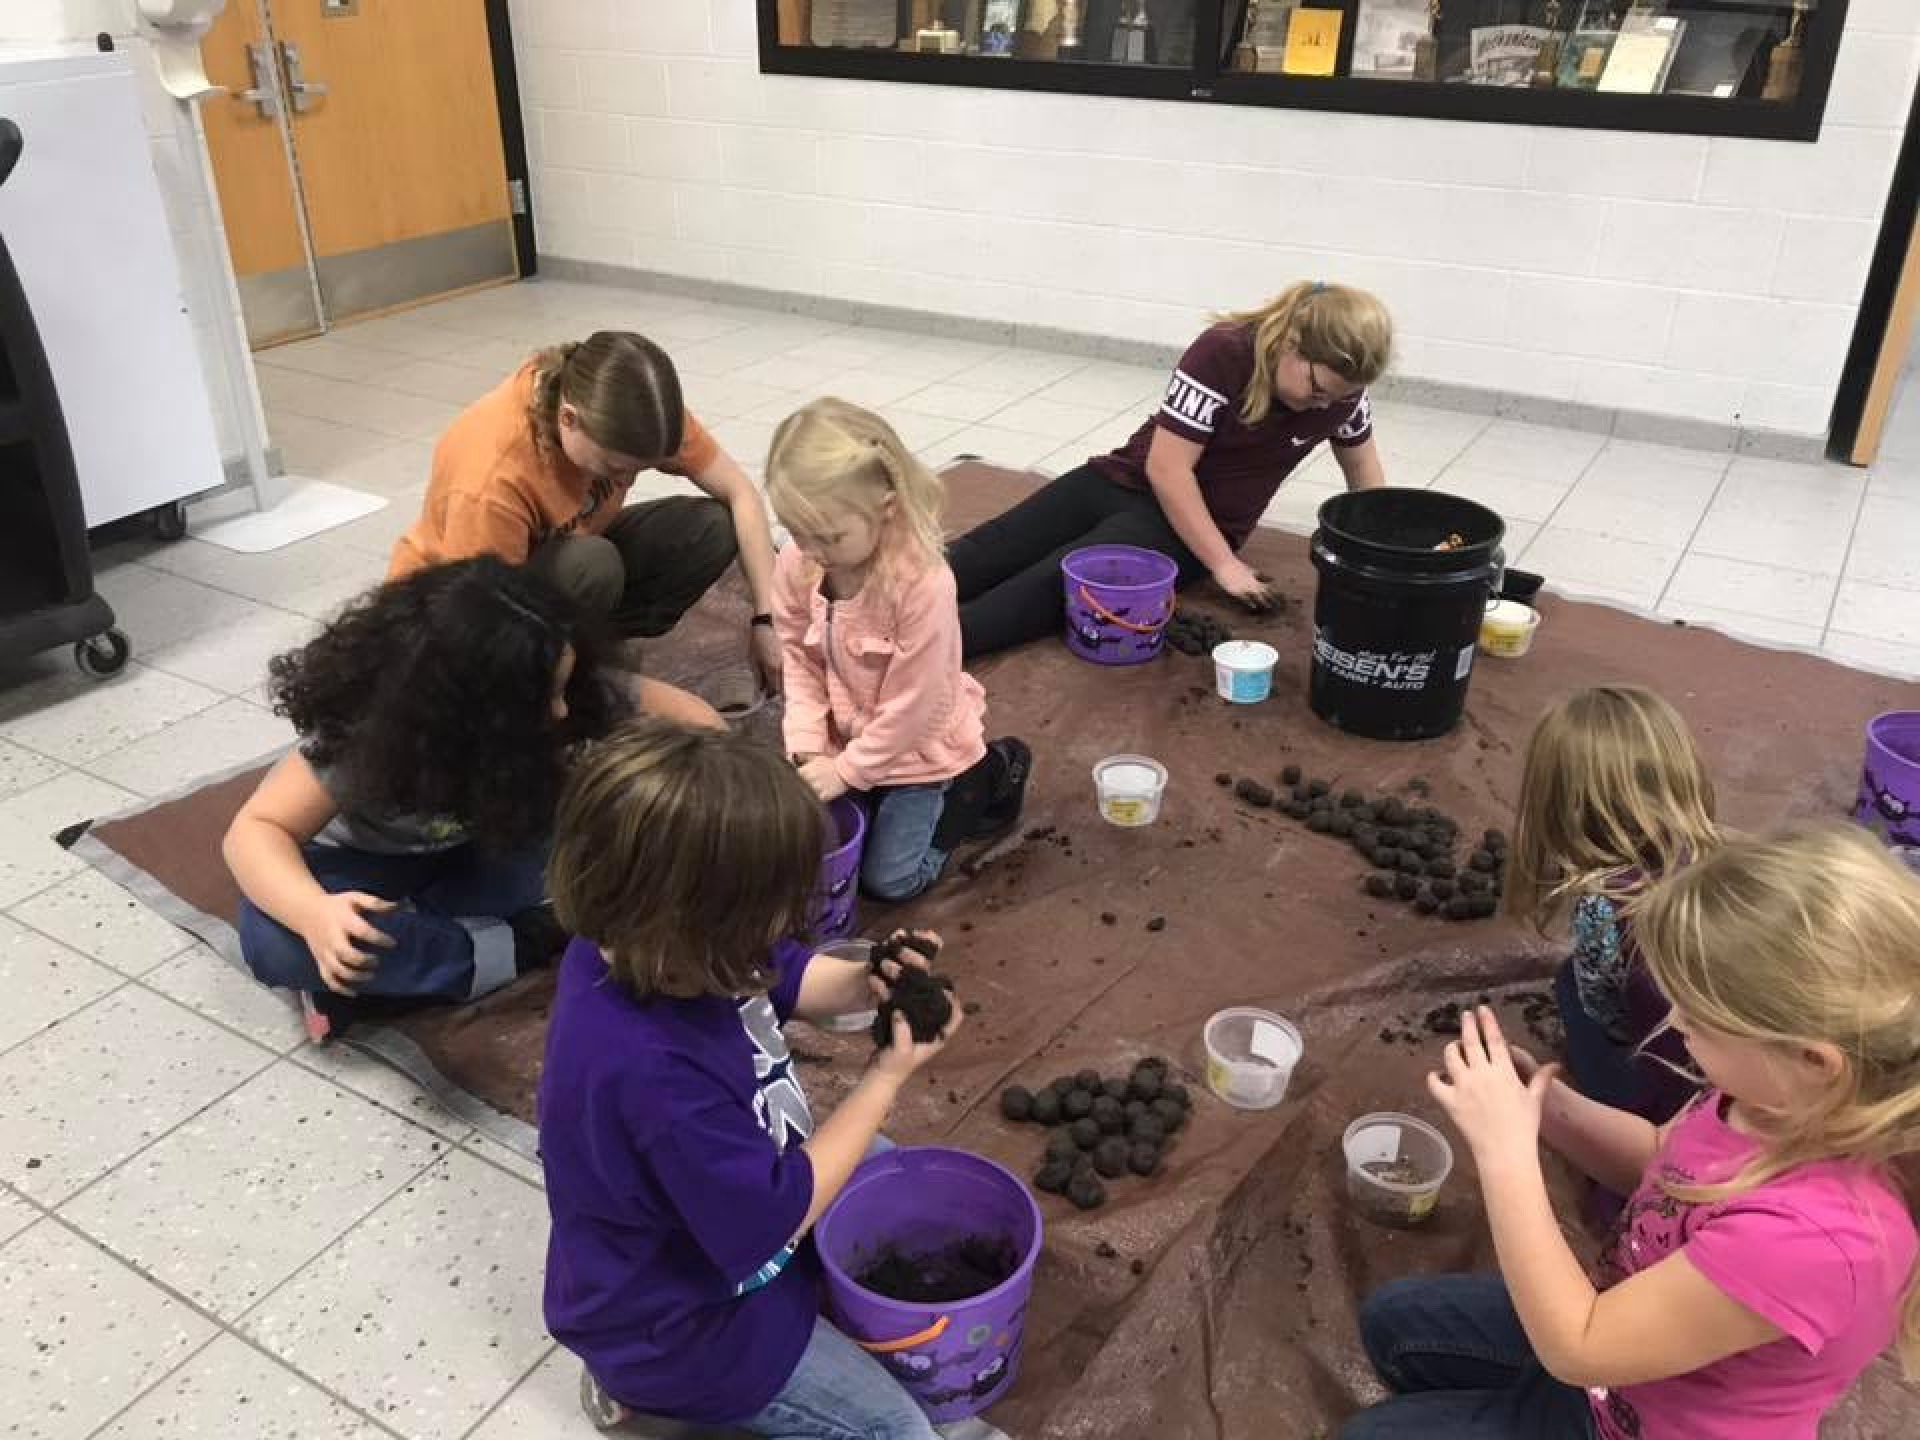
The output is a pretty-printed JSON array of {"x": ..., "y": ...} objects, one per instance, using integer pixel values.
[
  {"x": 894, "y": 1347},
  {"x": 1107, "y": 616},
  {"x": 1498, "y": 582}
]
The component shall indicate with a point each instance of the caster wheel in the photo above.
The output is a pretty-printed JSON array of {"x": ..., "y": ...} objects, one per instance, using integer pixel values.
[
  {"x": 170, "y": 521},
  {"x": 102, "y": 654}
]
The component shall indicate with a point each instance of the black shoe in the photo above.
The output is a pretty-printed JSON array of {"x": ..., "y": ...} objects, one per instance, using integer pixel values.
[
  {"x": 1010, "y": 795},
  {"x": 538, "y": 938},
  {"x": 984, "y": 802},
  {"x": 326, "y": 1015}
]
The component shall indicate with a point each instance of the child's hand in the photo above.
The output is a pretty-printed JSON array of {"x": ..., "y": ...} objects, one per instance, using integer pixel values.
[
  {"x": 1484, "y": 1095},
  {"x": 900, "y": 1059},
  {"x": 820, "y": 773},
  {"x": 339, "y": 935},
  {"x": 903, "y": 947}
]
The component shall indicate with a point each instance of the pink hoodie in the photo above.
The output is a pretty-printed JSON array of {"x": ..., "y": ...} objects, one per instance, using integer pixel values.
[{"x": 875, "y": 681}]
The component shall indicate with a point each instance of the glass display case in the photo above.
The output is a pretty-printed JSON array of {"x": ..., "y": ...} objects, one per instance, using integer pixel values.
[{"x": 1713, "y": 67}]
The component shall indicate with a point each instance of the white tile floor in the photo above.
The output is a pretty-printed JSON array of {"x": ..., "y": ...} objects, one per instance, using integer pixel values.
[{"x": 208, "y": 1228}]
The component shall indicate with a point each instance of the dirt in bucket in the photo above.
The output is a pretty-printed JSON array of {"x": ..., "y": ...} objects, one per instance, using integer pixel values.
[{"x": 969, "y": 1266}]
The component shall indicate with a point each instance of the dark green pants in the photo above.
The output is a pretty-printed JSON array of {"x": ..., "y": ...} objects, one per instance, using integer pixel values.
[{"x": 649, "y": 567}]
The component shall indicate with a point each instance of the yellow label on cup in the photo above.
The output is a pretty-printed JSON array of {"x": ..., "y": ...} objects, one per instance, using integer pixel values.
[
  {"x": 1421, "y": 1206},
  {"x": 1125, "y": 809},
  {"x": 1219, "y": 1080}
]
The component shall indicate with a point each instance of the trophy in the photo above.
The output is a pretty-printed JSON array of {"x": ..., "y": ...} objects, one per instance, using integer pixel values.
[
  {"x": 1130, "y": 34},
  {"x": 1263, "y": 39},
  {"x": 1546, "y": 66},
  {"x": 997, "y": 23},
  {"x": 1426, "y": 50},
  {"x": 1788, "y": 63},
  {"x": 1072, "y": 29},
  {"x": 928, "y": 32}
]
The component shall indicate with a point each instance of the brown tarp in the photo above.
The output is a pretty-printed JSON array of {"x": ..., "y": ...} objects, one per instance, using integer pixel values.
[{"x": 1241, "y": 1322}]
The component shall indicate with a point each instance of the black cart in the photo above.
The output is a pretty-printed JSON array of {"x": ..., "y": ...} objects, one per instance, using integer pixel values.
[{"x": 46, "y": 573}]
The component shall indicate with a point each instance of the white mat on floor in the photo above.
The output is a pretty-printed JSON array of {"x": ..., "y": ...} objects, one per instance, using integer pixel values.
[{"x": 310, "y": 507}]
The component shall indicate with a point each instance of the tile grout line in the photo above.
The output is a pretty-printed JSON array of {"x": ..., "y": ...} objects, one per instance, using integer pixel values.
[
  {"x": 1687, "y": 550},
  {"x": 553, "y": 1347},
  {"x": 1853, "y": 534}
]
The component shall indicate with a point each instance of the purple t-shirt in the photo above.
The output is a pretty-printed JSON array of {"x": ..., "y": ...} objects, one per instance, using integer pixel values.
[
  {"x": 1824, "y": 1253},
  {"x": 1242, "y": 465},
  {"x": 670, "y": 1132}
]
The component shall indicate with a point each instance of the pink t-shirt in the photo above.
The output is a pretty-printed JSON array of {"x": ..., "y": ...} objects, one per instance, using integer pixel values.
[{"x": 1824, "y": 1253}]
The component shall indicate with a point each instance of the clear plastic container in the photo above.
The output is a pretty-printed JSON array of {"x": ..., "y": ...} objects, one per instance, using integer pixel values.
[
  {"x": 859, "y": 1020},
  {"x": 1506, "y": 630},
  {"x": 1130, "y": 787},
  {"x": 1250, "y": 1056},
  {"x": 1395, "y": 1167},
  {"x": 1243, "y": 670}
]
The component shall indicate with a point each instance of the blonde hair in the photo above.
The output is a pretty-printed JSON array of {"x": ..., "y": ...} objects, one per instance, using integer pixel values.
[
  {"x": 1808, "y": 936},
  {"x": 684, "y": 853},
  {"x": 834, "y": 456},
  {"x": 1613, "y": 785},
  {"x": 1347, "y": 330},
  {"x": 621, "y": 385}
]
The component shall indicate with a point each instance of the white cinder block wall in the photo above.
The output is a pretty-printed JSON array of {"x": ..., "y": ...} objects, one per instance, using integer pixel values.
[
  {"x": 1677, "y": 275},
  {"x": 206, "y": 274}
]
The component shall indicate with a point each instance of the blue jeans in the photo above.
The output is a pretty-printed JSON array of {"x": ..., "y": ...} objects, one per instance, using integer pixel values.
[
  {"x": 451, "y": 940},
  {"x": 1451, "y": 1349},
  {"x": 900, "y": 859},
  {"x": 840, "y": 1392}
]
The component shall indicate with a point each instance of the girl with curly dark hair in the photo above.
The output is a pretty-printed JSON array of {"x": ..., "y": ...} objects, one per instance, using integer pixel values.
[{"x": 399, "y": 849}]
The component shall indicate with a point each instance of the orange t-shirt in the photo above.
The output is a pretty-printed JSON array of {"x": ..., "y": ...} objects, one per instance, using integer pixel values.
[{"x": 493, "y": 493}]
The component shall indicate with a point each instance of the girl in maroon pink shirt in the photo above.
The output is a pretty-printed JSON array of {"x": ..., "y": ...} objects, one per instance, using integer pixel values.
[
  {"x": 1767, "y": 1255},
  {"x": 1247, "y": 404}
]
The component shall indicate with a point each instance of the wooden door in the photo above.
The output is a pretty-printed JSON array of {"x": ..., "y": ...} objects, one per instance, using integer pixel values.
[
  {"x": 258, "y": 201},
  {"x": 400, "y": 157},
  {"x": 1892, "y": 358}
]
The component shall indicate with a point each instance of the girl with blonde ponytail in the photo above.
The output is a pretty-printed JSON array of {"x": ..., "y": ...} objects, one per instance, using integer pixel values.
[
  {"x": 1248, "y": 403},
  {"x": 1768, "y": 1254},
  {"x": 877, "y": 701}
]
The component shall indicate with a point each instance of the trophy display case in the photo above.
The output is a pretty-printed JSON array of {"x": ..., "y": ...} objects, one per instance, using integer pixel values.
[{"x": 1712, "y": 67}]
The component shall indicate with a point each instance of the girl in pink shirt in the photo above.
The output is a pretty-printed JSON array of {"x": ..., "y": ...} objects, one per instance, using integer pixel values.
[
  {"x": 877, "y": 701},
  {"x": 1767, "y": 1255}
]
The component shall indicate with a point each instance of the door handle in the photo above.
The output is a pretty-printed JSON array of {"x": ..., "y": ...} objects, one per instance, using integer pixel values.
[
  {"x": 302, "y": 90},
  {"x": 264, "y": 95}
]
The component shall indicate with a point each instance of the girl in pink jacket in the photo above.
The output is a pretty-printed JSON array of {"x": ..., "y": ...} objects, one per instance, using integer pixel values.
[{"x": 869, "y": 628}]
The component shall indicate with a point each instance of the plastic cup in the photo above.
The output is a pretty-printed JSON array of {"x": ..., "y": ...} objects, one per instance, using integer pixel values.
[
  {"x": 858, "y": 1021},
  {"x": 1243, "y": 670},
  {"x": 1129, "y": 788},
  {"x": 1506, "y": 630},
  {"x": 1395, "y": 1167},
  {"x": 1250, "y": 1056}
]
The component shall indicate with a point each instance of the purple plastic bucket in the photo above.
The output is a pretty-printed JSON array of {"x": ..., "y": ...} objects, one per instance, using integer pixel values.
[
  {"x": 1890, "y": 783},
  {"x": 1119, "y": 599},
  {"x": 955, "y": 1359},
  {"x": 840, "y": 871}
]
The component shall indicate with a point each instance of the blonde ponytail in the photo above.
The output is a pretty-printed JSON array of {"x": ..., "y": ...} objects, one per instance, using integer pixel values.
[{"x": 1347, "y": 330}]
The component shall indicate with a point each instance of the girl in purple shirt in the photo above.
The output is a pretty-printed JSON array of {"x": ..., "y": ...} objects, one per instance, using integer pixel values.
[
  {"x": 1766, "y": 1257},
  {"x": 684, "y": 1169},
  {"x": 1246, "y": 405}
]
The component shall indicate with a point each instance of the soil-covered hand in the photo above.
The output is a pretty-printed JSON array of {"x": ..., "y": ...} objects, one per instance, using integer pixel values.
[
  {"x": 765, "y": 648},
  {"x": 905, "y": 1055},
  {"x": 1240, "y": 581},
  {"x": 1484, "y": 1095},
  {"x": 820, "y": 773},
  {"x": 344, "y": 941}
]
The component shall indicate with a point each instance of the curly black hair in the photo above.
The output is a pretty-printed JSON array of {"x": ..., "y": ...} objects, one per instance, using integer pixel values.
[{"x": 432, "y": 696}]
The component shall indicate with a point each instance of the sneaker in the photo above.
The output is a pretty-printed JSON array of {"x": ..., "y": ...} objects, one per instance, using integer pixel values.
[
  {"x": 326, "y": 1015},
  {"x": 602, "y": 1409},
  {"x": 984, "y": 803},
  {"x": 538, "y": 938}
]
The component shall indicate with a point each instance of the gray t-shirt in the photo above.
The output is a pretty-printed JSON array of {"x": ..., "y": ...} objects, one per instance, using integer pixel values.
[{"x": 384, "y": 834}]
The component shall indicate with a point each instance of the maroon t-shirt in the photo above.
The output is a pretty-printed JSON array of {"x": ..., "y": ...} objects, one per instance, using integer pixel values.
[{"x": 1242, "y": 465}]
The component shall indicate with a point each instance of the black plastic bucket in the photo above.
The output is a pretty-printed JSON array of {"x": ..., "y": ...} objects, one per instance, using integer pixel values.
[{"x": 1396, "y": 621}]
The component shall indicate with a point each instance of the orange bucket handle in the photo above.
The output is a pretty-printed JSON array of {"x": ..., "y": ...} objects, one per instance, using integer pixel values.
[
  {"x": 893, "y": 1347},
  {"x": 1108, "y": 617}
]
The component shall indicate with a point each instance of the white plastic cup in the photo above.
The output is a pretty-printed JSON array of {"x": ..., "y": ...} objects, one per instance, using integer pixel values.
[
  {"x": 858, "y": 1021},
  {"x": 1251, "y": 1054},
  {"x": 1387, "y": 1138},
  {"x": 1243, "y": 670},
  {"x": 1506, "y": 630},
  {"x": 1129, "y": 789}
]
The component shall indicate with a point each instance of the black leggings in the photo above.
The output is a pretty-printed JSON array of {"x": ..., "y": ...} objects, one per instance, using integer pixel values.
[{"x": 1008, "y": 570}]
